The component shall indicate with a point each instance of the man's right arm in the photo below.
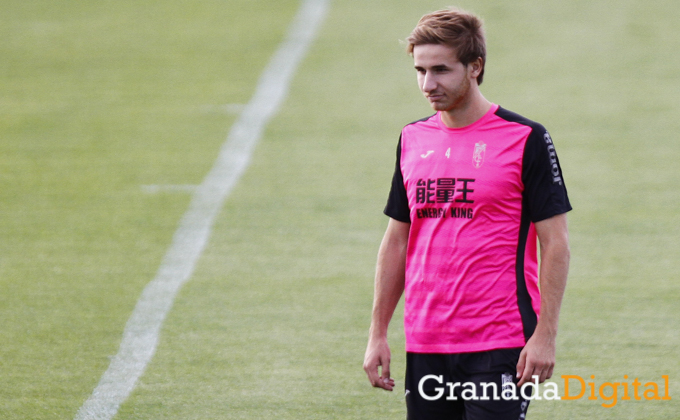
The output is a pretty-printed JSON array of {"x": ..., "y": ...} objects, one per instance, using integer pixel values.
[{"x": 389, "y": 286}]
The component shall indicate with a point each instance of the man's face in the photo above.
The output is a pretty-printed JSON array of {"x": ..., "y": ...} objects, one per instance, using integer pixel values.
[{"x": 443, "y": 79}]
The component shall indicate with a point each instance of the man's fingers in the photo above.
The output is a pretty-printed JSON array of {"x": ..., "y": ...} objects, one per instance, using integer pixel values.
[
  {"x": 525, "y": 368},
  {"x": 546, "y": 372},
  {"x": 379, "y": 381},
  {"x": 550, "y": 372},
  {"x": 387, "y": 382},
  {"x": 526, "y": 375},
  {"x": 542, "y": 371},
  {"x": 386, "y": 370},
  {"x": 371, "y": 368},
  {"x": 377, "y": 360},
  {"x": 521, "y": 363},
  {"x": 384, "y": 383},
  {"x": 372, "y": 372}
]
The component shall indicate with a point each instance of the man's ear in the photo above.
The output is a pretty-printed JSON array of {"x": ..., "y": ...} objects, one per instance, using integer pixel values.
[{"x": 476, "y": 67}]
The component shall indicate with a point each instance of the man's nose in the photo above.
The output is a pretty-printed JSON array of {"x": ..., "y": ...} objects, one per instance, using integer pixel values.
[{"x": 429, "y": 83}]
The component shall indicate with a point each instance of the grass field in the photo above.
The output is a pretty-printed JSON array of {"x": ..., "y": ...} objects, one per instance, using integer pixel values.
[{"x": 101, "y": 101}]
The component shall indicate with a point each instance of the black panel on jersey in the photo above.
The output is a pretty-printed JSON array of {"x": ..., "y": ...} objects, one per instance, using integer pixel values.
[
  {"x": 545, "y": 194},
  {"x": 526, "y": 309},
  {"x": 397, "y": 202}
]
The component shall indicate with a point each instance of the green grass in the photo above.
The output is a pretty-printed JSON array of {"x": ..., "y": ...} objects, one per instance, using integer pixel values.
[{"x": 98, "y": 99}]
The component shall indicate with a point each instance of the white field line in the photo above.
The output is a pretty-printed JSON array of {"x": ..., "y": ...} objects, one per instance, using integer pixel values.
[{"x": 141, "y": 333}]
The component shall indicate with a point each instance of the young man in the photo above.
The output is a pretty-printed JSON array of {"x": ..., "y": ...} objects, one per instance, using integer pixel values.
[{"x": 474, "y": 187}]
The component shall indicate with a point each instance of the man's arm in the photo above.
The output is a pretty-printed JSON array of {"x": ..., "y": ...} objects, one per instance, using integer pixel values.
[
  {"x": 389, "y": 286},
  {"x": 538, "y": 356}
]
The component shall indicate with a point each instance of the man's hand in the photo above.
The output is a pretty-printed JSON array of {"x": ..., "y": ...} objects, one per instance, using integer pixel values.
[
  {"x": 538, "y": 356},
  {"x": 389, "y": 286},
  {"x": 378, "y": 355},
  {"x": 536, "y": 359}
]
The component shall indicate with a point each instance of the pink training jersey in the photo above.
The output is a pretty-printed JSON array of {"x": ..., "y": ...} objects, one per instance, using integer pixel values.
[{"x": 472, "y": 195}]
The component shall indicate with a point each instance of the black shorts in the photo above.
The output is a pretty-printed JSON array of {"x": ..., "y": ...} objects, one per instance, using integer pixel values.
[{"x": 460, "y": 386}]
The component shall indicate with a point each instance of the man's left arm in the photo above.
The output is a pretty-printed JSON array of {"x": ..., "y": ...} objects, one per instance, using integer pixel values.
[{"x": 538, "y": 356}]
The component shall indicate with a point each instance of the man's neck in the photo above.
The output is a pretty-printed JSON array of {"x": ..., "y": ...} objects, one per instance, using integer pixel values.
[{"x": 468, "y": 112}]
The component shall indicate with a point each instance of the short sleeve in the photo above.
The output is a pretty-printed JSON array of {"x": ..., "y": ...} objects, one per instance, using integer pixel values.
[
  {"x": 545, "y": 194},
  {"x": 397, "y": 202}
]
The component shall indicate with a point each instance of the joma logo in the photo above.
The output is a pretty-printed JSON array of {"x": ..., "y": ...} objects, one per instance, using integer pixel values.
[{"x": 555, "y": 168}]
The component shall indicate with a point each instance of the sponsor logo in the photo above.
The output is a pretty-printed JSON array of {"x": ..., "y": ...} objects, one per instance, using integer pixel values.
[
  {"x": 428, "y": 153},
  {"x": 439, "y": 213},
  {"x": 444, "y": 190},
  {"x": 456, "y": 191},
  {"x": 555, "y": 168}
]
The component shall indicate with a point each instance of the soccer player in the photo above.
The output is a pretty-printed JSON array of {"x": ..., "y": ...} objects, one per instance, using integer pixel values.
[{"x": 475, "y": 188}]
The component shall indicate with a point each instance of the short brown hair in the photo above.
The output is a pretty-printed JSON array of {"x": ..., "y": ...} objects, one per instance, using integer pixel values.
[{"x": 455, "y": 28}]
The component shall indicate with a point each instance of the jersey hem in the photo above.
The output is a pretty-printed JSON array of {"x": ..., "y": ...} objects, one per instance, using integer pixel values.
[
  {"x": 464, "y": 348},
  {"x": 396, "y": 217}
]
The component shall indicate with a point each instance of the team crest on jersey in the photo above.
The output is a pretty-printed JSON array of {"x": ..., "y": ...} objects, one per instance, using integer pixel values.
[{"x": 478, "y": 154}]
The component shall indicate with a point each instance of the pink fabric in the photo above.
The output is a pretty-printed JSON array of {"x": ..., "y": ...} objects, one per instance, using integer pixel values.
[{"x": 465, "y": 193}]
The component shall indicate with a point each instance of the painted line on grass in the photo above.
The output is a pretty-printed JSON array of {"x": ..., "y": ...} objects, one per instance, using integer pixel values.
[{"x": 142, "y": 330}]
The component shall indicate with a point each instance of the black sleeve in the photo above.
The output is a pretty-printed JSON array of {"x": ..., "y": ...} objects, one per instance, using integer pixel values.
[
  {"x": 545, "y": 194},
  {"x": 397, "y": 202}
]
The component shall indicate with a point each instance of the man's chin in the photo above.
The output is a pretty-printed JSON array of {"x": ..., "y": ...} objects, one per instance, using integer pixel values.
[
  {"x": 438, "y": 106},
  {"x": 435, "y": 105}
]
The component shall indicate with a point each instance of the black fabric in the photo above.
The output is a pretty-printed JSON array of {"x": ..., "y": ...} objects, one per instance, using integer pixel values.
[
  {"x": 397, "y": 202},
  {"x": 526, "y": 309},
  {"x": 545, "y": 194},
  {"x": 481, "y": 367}
]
